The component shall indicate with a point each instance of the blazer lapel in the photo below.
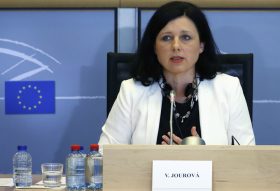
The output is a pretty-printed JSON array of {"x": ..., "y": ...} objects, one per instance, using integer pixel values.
[
  {"x": 211, "y": 119},
  {"x": 153, "y": 115}
]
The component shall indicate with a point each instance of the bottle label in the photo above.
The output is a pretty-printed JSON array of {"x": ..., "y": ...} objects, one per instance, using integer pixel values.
[
  {"x": 75, "y": 172},
  {"x": 22, "y": 177},
  {"x": 94, "y": 172}
]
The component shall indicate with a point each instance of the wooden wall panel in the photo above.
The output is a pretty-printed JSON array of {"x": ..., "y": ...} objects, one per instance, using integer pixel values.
[
  {"x": 59, "y": 3},
  {"x": 207, "y": 3},
  {"x": 134, "y": 3}
]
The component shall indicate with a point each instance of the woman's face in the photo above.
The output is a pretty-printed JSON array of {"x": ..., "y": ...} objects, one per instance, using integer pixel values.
[{"x": 178, "y": 47}]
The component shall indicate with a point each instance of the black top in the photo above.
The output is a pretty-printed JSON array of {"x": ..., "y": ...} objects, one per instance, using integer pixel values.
[{"x": 182, "y": 130}]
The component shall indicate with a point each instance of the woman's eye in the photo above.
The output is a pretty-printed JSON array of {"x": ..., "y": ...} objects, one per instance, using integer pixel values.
[
  {"x": 166, "y": 38},
  {"x": 185, "y": 37}
]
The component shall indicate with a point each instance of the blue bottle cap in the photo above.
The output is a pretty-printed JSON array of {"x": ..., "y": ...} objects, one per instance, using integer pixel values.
[{"x": 22, "y": 147}]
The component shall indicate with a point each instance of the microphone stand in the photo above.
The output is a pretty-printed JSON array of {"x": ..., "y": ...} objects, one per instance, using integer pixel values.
[
  {"x": 192, "y": 140},
  {"x": 172, "y": 101}
]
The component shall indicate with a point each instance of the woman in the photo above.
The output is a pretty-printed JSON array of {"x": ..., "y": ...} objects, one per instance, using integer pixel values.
[{"x": 178, "y": 53}]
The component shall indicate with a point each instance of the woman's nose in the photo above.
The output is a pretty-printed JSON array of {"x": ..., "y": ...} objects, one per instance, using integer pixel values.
[{"x": 176, "y": 44}]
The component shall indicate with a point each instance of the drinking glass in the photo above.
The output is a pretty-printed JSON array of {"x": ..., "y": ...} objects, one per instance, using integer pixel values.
[{"x": 51, "y": 174}]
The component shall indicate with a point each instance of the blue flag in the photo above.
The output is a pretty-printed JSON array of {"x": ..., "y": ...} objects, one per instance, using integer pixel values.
[{"x": 29, "y": 97}]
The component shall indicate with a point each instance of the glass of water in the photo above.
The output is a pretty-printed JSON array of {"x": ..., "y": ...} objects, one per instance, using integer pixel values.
[{"x": 51, "y": 174}]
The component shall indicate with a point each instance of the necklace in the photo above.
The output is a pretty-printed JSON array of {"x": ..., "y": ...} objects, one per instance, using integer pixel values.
[{"x": 192, "y": 99}]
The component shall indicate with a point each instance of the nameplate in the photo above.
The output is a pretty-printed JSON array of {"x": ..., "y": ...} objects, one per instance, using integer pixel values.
[{"x": 170, "y": 175}]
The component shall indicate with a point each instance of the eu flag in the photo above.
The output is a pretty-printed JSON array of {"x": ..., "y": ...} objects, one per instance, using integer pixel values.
[{"x": 29, "y": 97}]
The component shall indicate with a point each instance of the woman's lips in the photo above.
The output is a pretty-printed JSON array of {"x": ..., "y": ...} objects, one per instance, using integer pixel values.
[{"x": 176, "y": 59}]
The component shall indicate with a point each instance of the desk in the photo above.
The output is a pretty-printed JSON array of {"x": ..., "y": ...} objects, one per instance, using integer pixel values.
[
  {"x": 5, "y": 188},
  {"x": 36, "y": 178},
  {"x": 235, "y": 168}
]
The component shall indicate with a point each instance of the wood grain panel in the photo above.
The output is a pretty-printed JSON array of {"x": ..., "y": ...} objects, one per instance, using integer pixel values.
[
  {"x": 207, "y": 3},
  {"x": 59, "y": 3},
  {"x": 255, "y": 168},
  {"x": 134, "y": 3}
]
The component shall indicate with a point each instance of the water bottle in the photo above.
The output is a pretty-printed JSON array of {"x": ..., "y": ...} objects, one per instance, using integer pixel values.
[
  {"x": 75, "y": 169},
  {"x": 22, "y": 167},
  {"x": 94, "y": 169}
]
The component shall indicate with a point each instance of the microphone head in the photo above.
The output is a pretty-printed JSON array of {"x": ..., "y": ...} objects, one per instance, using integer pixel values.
[
  {"x": 172, "y": 95},
  {"x": 193, "y": 140}
]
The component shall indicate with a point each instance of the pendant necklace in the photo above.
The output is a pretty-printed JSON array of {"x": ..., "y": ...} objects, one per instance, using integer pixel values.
[{"x": 192, "y": 99}]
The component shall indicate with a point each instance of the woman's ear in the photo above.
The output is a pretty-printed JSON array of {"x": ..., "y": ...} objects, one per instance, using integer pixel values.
[{"x": 201, "y": 49}]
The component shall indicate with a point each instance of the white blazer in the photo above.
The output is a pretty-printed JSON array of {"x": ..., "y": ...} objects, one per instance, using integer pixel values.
[{"x": 223, "y": 112}]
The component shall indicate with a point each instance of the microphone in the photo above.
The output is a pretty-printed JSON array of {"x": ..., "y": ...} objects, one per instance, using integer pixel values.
[
  {"x": 172, "y": 101},
  {"x": 193, "y": 140}
]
